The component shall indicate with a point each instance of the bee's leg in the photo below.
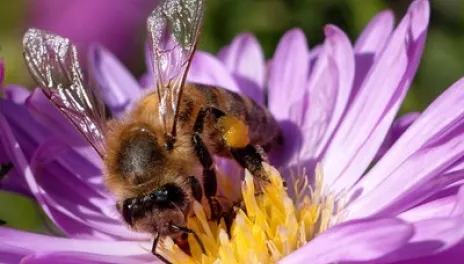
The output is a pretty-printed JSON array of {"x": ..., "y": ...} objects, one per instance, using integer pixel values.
[
  {"x": 209, "y": 175},
  {"x": 190, "y": 231},
  {"x": 251, "y": 158},
  {"x": 197, "y": 192},
  {"x": 206, "y": 160},
  {"x": 5, "y": 168},
  {"x": 153, "y": 249},
  {"x": 247, "y": 155}
]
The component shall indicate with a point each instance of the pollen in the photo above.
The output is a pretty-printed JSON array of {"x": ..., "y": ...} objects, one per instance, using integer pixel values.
[
  {"x": 235, "y": 132},
  {"x": 270, "y": 225}
]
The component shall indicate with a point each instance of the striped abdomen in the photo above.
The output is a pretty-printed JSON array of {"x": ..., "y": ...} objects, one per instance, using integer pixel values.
[{"x": 263, "y": 128}]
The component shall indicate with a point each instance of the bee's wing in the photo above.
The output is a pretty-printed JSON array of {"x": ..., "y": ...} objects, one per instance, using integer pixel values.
[
  {"x": 173, "y": 29},
  {"x": 52, "y": 61}
]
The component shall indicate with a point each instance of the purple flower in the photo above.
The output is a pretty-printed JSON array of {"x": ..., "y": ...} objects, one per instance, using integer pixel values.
[
  {"x": 336, "y": 104},
  {"x": 113, "y": 23}
]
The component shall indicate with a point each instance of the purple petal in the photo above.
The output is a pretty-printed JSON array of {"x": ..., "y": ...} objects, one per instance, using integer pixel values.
[
  {"x": 80, "y": 210},
  {"x": 245, "y": 59},
  {"x": 294, "y": 131},
  {"x": 361, "y": 240},
  {"x": 370, "y": 44},
  {"x": 329, "y": 87},
  {"x": 313, "y": 56},
  {"x": 431, "y": 236},
  {"x": 78, "y": 258},
  {"x": 399, "y": 126},
  {"x": 119, "y": 88},
  {"x": 368, "y": 119},
  {"x": 374, "y": 37},
  {"x": 458, "y": 166},
  {"x": 288, "y": 73},
  {"x": 28, "y": 133},
  {"x": 438, "y": 208},
  {"x": 206, "y": 69},
  {"x": 70, "y": 200},
  {"x": 48, "y": 115},
  {"x": 314, "y": 114},
  {"x": 433, "y": 144},
  {"x": 24, "y": 243},
  {"x": 16, "y": 93},
  {"x": 84, "y": 173},
  {"x": 455, "y": 255},
  {"x": 458, "y": 209}
]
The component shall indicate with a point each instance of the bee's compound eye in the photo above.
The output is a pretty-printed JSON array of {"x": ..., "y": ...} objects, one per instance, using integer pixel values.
[
  {"x": 160, "y": 194},
  {"x": 127, "y": 207},
  {"x": 127, "y": 204},
  {"x": 164, "y": 192},
  {"x": 147, "y": 201}
]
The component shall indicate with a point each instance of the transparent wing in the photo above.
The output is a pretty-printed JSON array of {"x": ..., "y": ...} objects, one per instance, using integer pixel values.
[
  {"x": 173, "y": 29},
  {"x": 52, "y": 61}
]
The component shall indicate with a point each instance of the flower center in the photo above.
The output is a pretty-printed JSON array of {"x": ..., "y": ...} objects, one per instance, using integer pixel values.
[{"x": 271, "y": 225}]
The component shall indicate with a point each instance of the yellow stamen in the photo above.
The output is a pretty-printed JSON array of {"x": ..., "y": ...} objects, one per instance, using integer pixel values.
[{"x": 271, "y": 226}]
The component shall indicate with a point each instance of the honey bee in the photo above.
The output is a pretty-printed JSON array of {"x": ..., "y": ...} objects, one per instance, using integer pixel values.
[{"x": 151, "y": 155}]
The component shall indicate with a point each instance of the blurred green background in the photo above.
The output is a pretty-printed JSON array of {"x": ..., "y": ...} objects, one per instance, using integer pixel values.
[{"x": 442, "y": 63}]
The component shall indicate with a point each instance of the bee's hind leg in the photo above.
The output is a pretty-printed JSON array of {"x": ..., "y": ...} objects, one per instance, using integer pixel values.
[
  {"x": 251, "y": 158},
  {"x": 235, "y": 137},
  {"x": 247, "y": 155}
]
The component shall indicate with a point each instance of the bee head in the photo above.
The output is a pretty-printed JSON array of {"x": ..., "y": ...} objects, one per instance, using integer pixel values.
[{"x": 169, "y": 199}]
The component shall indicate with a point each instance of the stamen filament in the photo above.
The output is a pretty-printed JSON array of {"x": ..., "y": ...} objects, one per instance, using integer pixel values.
[{"x": 271, "y": 225}]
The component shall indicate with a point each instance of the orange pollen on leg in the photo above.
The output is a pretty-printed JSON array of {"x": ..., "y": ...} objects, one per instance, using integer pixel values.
[{"x": 235, "y": 131}]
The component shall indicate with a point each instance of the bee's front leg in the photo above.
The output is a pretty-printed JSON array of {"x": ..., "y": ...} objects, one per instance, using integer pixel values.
[{"x": 209, "y": 175}]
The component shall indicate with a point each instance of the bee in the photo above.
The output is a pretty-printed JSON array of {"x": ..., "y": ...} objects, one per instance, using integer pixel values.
[{"x": 158, "y": 158}]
